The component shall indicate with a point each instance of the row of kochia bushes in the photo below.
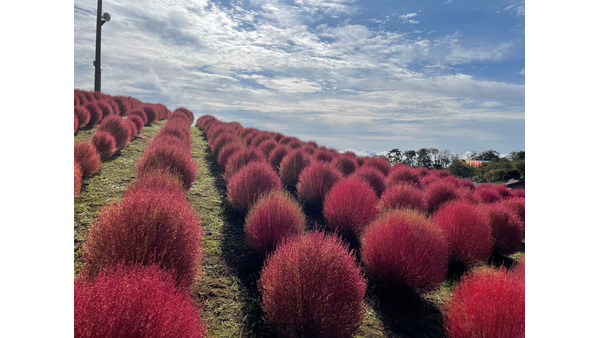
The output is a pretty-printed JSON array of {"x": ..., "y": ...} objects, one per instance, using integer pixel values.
[
  {"x": 116, "y": 119},
  {"x": 409, "y": 225},
  {"x": 142, "y": 254}
]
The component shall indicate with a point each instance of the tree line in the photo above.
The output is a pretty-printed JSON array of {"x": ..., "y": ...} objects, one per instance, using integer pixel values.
[{"x": 497, "y": 169}]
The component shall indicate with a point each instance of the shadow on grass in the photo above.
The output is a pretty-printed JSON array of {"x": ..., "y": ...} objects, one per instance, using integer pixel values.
[
  {"x": 244, "y": 263},
  {"x": 403, "y": 312}
]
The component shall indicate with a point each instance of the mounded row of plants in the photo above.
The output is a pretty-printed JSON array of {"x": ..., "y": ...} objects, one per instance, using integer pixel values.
[
  {"x": 401, "y": 227},
  {"x": 116, "y": 121},
  {"x": 142, "y": 254}
]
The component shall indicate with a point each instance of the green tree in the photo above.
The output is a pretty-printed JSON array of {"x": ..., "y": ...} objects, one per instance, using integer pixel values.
[
  {"x": 394, "y": 156},
  {"x": 423, "y": 158},
  {"x": 487, "y": 155},
  {"x": 460, "y": 169},
  {"x": 409, "y": 157},
  {"x": 519, "y": 165}
]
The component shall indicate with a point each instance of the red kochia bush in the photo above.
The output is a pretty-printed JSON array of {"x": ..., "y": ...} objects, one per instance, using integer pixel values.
[
  {"x": 117, "y": 127},
  {"x": 158, "y": 179},
  {"x": 438, "y": 193},
  {"x": 139, "y": 122},
  {"x": 150, "y": 114},
  {"x": 350, "y": 206},
  {"x": 78, "y": 175},
  {"x": 378, "y": 162},
  {"x": 314, "y": 183},
  {"x": 146, "y": 227},
  {"x": 273, "y": 217},
  {"x": 311, "y": 286},
  {"x": 249, "y": 183},
  {"x": 277, "y": 154},
  {"x": 517, "y": 205},
  {"x": 76, "y": 123},
  {"x": 86, "y": 155},
  {"x": 404, "y": 247},
  {"x": 507, "y": 229},
  {"x": 94, "y": 111},
  {"x": 83, "y": 116},
  {"x": 291, "y": 165},
  {"x": 267, "y": 146},
  {"x": 134, "y": 301},
  {"x": 105, "y": 107},
  {"x": 241, "y": 158},
  {"x": 227, "y": 151},
  {"x": 401, "y": 173},
  {"x": 346, "y": 164},
  {"x": 177, "y": 161},
  {"x": 373, "y": 176},
  {"x": 139, "y": 112},
  {"x": 105, "y": 144},
  {"x": 486, "y": 193},
  {"x": 467, "y": 231},
  {"x": 487, "y": 303},
  {"x": 401, "y": 196}
]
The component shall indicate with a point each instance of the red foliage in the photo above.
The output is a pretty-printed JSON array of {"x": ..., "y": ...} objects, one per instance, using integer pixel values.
[
  {"x": 158, "y": 179},
  {"x": 405, "y": 247},
  {"x": 291, "y": 166},
  {"x": 517, "y": 205},
  {"x": 273, "y": 217},
  {"x": 139, "y": 122},
  {"x": 223, "y": 140},
  {"x": 315, "y": 181},
  {"x": 146, "y": 227},
  {"x": 486, "y": 193},
  {"x": 240, "y": 159},
  {"x": 105, "y": 144},
  {"x": 94, "y": 111},
  {"x": 76, "y": 123},
  {"x": 345, "y": 164},
  {"x": 517, "y": 193},
  {"x": 133, "y": 131},
  {"x": 467, "y": 231},
  {"x": 184, "y": 112},
  {"x": 401, "y": 196},
  {"x": 378, "y": 162},
  {"x": 401, "y": 173},
  {"x": 373, "y": 176},
  {"x": 350, "y": 206},
  {"x": 508, "y": 231},
  {"x": 324, "y": 155},
  {"x": 167, "y": 139},
  {"x": 174, "y": 128},
  {"x": 249, "y": 183},
  {"x": 139, "y": 112},
  {"x": 277, "y": 154},
  {"x": 267, "y": 146},
  {"x": 123, "y": 104},
  {"x": 105, "y": 107},
  {"x": 151, "y": 114},
  {"x": 133, "y": 301},
  {"x": 227, "y": 151},
  {"x": 311, "y": 286},
  {"x": 438, "y": 193},
  {"x": 177, "y": 161},
  {"x": 83, "y": 116},
  {"x": 86, "y": 155},
  {"x": 117, "y": 127},
  {"x": 487, "y": 303},
  {"x": 78, "y": 175}
]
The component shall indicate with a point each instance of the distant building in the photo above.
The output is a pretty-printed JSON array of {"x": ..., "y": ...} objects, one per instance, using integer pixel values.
[{"x": 516, "y": 184}]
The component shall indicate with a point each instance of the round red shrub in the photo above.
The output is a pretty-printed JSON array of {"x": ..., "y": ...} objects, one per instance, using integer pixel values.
[
  {"x": 277, "y": 154},
  {"x": 83, "y": 116},
  {"x": 184, "y": 112},
  {"x": 291, "y": 166},
  {"x": 402, "y": 196},
  {"x": 133, "y": 131},
  {"x": 134, "y": 301},
  {"x": 76, "y": 123},
  {"x": 508, "y": 231},
  {"x": 240, "y": 159},
  {"x": 267, "y": 146},
  {"x": 314, "y": 183},
  {"x": 170, "y": 140},
  {"x": 345, "y": 164},
  {"x": 117, "y": 127},
  {"x": 439, "y": 193},
  {"x": 123, "y": 105},
  {"x": 139, "y": 122},
  {"x": 486, "y": 193},
  {"x": 177, "y": 161},
  {"x": 150, "y": 114},
  {"x": 147, "y": 227},
  {"x": 222, "y": 140},
  {"x": 227, "y": 151},
  {"x": 105, "y": 107},
  {"x": 158, "y": 179},
  {"x": 311, "y": 286},
  {"x": 78, "y": 175},
  {"x": 349, "y": 206},
  {"x": 86, "y": 155},
  {"x": 517, "y": 193},
  {"x": 404, "y": 247},
  {"x": 517, "y": 205},
  {"x": 324, "y": 155},
  {"x": 486, "y": 303},
  {"x": 105, "y": 144},
  {"x": 259, "y": 139},
  {"x": 94, "y": 111},
  {"x": 249, "y": 183},
  {"x": 401, "y": 173},
  {"x": 467, "y": 230},
  {"x": 273, "y": 217},
  {"x": 373, "y": 176},
  {"x": 378, "y": 162},
  {"x": 138, "y": 111},
  {"x": 174, "y": 129}
]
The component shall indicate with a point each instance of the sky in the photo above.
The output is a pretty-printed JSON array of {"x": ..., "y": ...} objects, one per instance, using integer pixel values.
[{"x": 348, "y": 74}]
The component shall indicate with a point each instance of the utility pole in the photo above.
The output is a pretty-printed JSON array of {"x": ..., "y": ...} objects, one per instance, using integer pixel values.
[{"x": 100, "y": 20}]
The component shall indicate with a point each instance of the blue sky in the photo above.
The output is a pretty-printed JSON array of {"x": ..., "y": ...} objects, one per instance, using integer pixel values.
[{"x": 346, "y": 73}]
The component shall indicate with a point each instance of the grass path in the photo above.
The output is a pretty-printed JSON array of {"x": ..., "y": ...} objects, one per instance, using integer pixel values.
[{"x": 108, "y": 185}]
